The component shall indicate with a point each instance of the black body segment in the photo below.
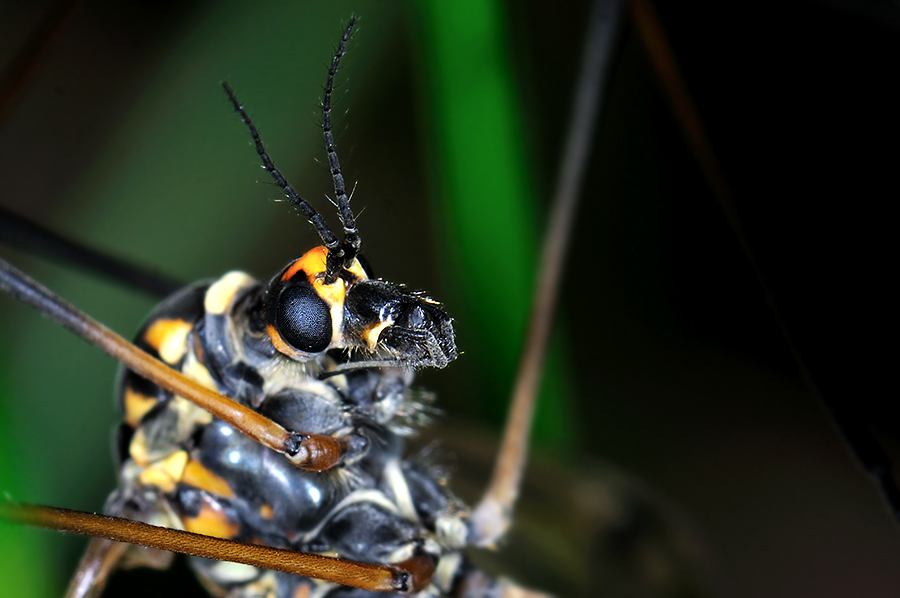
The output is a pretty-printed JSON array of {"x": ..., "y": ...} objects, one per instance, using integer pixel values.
[
  {"x": 416, "y": 329},
  {"x": 182, "y": 468}
]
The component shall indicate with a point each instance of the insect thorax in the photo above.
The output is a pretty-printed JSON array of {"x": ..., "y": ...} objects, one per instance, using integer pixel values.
[{"x": 183, "y": 468}]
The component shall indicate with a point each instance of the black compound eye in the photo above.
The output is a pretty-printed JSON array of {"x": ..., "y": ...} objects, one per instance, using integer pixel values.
[{"x": 303, "y": 319}]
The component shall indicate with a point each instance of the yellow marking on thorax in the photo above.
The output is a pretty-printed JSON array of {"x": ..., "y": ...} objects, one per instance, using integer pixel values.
[
  {"x": 169, "y": 338},
  {"x": 446, "y": 571},
  {"x": 211, "y": 521},
  {"x": 396, "y": 481},
  {"x": 137, "y": 406},
  {"x": 198, "y": 476},
  {"x": 302, "y": 591},
  {"x": 165, "y": 473},
  {"x": 144, "y": 449},
  {"x": 198, "y": 372},
  {"x": 221, "y": 293},
  {"x": 139, "y": 449}
]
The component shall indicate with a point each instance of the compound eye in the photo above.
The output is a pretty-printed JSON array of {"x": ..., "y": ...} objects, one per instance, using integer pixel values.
[{"x": 303, "y": 319}]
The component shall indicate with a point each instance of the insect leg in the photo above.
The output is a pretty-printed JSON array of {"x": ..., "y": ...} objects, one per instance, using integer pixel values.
[
  {"x": 21, "y": 233},
  {"x": 99, "y": 561},
  {"x": 307, "y": 451},
  {"x": 409, "y": 576},
  {"x": 493, "y": 515}
]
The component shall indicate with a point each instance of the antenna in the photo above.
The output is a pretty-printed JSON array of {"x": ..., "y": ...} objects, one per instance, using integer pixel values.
[
  {"x": 340, "y": 253},
  {"x": 328, "y": 238},
  {"x": 352, "y": 241}
]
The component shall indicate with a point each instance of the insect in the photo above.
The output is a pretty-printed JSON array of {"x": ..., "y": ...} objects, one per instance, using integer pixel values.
[
  {"x": 642, "y": 434},
  {"x": 314, "y": 366}
]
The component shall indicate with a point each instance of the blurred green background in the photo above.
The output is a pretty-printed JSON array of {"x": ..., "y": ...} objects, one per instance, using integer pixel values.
[{"x": 450, "y": 117}]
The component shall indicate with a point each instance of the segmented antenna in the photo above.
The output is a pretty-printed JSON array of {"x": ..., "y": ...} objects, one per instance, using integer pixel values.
[
  {"x": 352, "y": 240},
  {"x": 328, "y": 238},
  {"x": 340, "y": 253}
]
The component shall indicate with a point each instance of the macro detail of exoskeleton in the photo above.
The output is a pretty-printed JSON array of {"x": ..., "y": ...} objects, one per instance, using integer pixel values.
[{"x": 307, "y": 451}]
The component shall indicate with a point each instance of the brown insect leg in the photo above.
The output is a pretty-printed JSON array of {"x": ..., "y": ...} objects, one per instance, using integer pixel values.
[
  {"x": 493, "y": 515},
  {"x": 99, "y": 561},
  {"x": 418, "y": 571},
  {"x": 377, "y": 578},
  {"x": 307, "y": 451}
]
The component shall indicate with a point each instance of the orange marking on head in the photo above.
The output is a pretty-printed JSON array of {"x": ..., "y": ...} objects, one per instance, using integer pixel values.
[
  {"x": 266, "y": 512},
  {"x": 312, "y": 263},
  {"x": 212, "y": 521},
  {"x": 169, "y": 338},
  {"x": 333, "y": 294},
  {"x": 196, "y": 475},
  {"x": 357, "y": 270},
  {"x": 280, "y": 345},
  {"x": 136, "y": 406}
]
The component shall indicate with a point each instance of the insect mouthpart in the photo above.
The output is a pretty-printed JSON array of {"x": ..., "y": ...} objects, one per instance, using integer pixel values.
[{"x": 410, "y": 328}]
